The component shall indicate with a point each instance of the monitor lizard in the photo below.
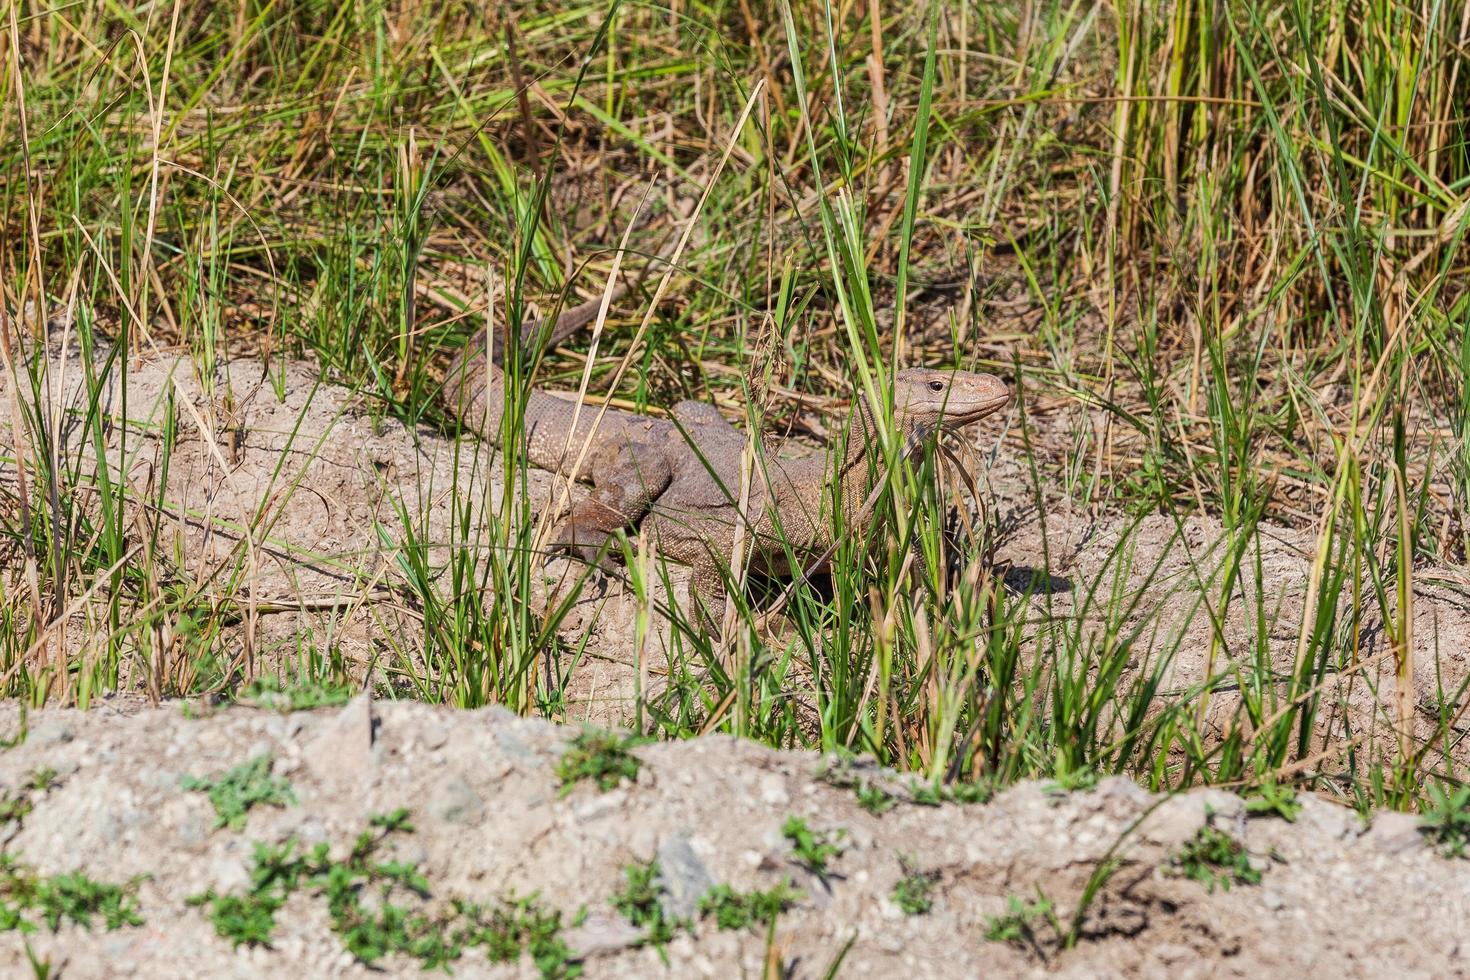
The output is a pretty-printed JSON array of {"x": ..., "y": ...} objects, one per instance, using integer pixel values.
[{"x": 678, "y": 479}]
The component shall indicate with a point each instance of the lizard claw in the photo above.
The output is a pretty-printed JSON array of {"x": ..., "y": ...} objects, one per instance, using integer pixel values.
[{"x": 587, "y": 545}]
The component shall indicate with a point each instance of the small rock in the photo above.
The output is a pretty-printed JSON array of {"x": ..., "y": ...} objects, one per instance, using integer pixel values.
[
  {"x": 1394, "y": 833},
  {"x": 312, "y": 831},
  {"x": 1328, "y": 820},
  {"x": 433, "y": 735},
  {"x": 275, "y": 727},
  {"x": 191, "y": 819},
  {"x": 411, "y": 852},
  {"x": 1272, "y": 900},
  {"x": 601, "y": 934},
  {"x": 1122, "y": 795},
  {"x": 455, "y": 801},
  {"x": 228, "y": 875},
  {"x": 642, "y": 842},
  {"x": 159, "y": 778},
  {"x": 773, "y": 790},
  {"x": 1177, "y": 820},
  {"x": 343, "y": 746},
  {"x": 684, "y": 877},
  {"x": 521, "y": 755},
  {"x": 1173, "y": 953},
  {"x": 600, "y": 806},
  {"x": 51, "y": 731},
  {"x": 818, "y": 890}
]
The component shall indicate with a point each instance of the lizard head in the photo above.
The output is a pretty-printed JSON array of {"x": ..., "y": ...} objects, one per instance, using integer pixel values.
[{"x": 925, "y": 399}]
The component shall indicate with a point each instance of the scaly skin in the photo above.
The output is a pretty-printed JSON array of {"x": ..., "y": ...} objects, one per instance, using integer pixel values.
[{"x": 679, "y": 481}]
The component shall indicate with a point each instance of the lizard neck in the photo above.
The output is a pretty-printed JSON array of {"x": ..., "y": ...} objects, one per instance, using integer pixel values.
[
  {"x": 861, "y": 466},
  {"x": 853, "y": 466}
]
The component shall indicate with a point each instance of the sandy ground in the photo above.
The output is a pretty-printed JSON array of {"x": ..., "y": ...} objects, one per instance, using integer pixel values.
[
  {"x": 335, "y": 501},
  {"x": 1334, "y": 896}
]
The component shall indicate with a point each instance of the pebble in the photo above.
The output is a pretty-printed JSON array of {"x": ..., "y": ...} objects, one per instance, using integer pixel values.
[
  {"x": 453, "y": 800},
  {"x": 773, "y": 790},
  {"x": 600, "y": 934},
  {"x": 433, "y": 735},
  {"x": 1394, "y": 833},
  {"x": 684, "y": 877},
  {"x": 227, "y": 875},
  {"x": 520, "y": 754},
  {"x": 601, "y": 805},
  {"x": 50, "y": 731}
]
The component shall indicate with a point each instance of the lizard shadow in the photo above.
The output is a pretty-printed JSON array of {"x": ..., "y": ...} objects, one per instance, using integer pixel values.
[
  {"x": 1028, "y": 580},
  {"x": 1017, "y": 579}
]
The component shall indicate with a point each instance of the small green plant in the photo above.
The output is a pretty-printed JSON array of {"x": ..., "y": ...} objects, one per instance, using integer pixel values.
[
  {"x": 813, "y": 849},
  {"x": 1446, "y": 821},
  {"x": 978, "y": 792},
  {"x": 1212, "y": 857},
  {"x": 250, "y": 919},
  {"x": 738, "y": 910},
  {"x": 837, "y": 768},
  {"x": 1271, "y": 798},
  {"x": 40, "y": 969},
  {"x": 639, "y": 902},
  {"x": 914, "y": 893},
  {"x": 70, "y": 897},
  {"x": 1072, "y": 781},
  {"x": 601, "y": 756},
  {"x": 513, "y": 925},
  {"x": 392, "y": 822},
  {"x": 926, "y": 794},
  {"x": 76, "y": 898},
  {"x": 875, "y": 799},
  {"x": 268, "y": 692},
  {"x": 397, "y": 922},
  {"x": 14, "y": 808},
  {"x": 245, "y": 920},
  {"x": 9, "y": 742},
  {"x": 240, "y": 788},
  {"x": 930, "y": 794},
  {"x": 1018, "y": 924}
]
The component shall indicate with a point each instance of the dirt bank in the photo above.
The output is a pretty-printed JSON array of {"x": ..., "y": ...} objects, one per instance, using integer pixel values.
[{"x": 490, "y": 819}]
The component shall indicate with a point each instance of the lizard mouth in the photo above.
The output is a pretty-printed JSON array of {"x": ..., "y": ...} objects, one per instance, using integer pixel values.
[{"x": 957, "y": 416}]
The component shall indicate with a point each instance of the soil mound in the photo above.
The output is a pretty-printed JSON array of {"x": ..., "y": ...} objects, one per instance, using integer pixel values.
[{"x": 379, "y": 837}]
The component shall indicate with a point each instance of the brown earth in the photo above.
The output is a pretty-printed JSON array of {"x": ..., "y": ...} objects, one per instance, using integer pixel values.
[
  {"x": 341, "y": 498},
  {"x": 482, "y": 788}
]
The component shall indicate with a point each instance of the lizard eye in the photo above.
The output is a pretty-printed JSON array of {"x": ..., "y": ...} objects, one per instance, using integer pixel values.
[{"x": 936, "y": 386}]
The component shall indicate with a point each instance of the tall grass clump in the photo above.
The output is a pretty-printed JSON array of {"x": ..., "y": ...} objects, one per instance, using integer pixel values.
[{"x": 1218, "y": 248}]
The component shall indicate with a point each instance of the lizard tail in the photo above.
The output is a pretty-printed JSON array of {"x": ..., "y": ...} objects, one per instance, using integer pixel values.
[
  {"x": 536, "y": 338},
  {"x": 469, "y": 374}
]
